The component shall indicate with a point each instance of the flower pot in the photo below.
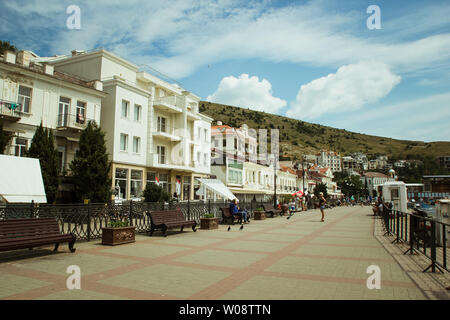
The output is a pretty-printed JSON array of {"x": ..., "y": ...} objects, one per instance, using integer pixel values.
[
  {"x": 209, "y": 223},
  {"x": 116, "y": 236},
  {"x": 259, "y": 215}
]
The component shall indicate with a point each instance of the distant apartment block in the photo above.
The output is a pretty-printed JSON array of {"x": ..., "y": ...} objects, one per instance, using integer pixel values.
[
  {"x": 444, "y": 162},
  {"x": 329, "y": 159}
]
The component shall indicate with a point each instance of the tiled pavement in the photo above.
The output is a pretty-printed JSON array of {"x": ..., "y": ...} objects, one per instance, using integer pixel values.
[{"x": 300, "y": 258}]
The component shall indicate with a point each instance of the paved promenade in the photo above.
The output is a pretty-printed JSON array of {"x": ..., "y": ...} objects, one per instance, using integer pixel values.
[{"x": 299, "y": 258}]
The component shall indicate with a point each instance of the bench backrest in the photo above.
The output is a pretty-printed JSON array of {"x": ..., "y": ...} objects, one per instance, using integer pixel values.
[
  {"x": 20, "y": 228},
  {"x": 161, "y": 217},
  {"x": 226, "y": 212},
  {"x": 268, "y": 207}
]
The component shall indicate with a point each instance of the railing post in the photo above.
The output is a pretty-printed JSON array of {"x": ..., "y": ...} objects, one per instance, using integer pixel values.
[
  {"x": 209, "y": 206},
  {"x": 89, "y": 221},
  {"x": 411, "y": 234},
  {"x": 32, "y": 209},
  {"x": 130, "y": 216},
  {"x": 433, "y": 248},
  {"x": 444, "y": 246},
  {"x": 189, "y": 209}
]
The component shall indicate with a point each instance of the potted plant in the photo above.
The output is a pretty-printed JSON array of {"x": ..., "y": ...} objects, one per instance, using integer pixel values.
[
  {"x": 259, "y": 214},
  {"x": 118, "y": 232},
  {"x": 209, "y": 222}
]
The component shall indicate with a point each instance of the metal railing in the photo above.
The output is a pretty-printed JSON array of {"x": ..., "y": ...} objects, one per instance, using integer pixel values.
[
  {"x": 86, "y": 221},
  {"x": 422, "y": 235},
  {"x": 76, "y": 121}
]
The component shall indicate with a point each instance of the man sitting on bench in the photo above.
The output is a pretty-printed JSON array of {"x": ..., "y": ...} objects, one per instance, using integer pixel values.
[{"x": 235, "y": 210}]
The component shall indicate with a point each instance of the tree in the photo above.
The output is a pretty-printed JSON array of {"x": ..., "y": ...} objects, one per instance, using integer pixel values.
[
  {"x": 43, "y": 148},
  {"x": 4, "y": 138},
  {"x": 155, "y": 193},
  {"x": 321, "y": 187},
  {"x": 5, "y": 45},
  {"x": 90, "y": 167}
]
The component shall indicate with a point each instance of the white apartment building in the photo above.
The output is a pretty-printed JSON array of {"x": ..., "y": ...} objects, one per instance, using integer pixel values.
[
  {"x": 373, "y": 179},
  {"x": 241, "y": 142},
  {"x": 154, "y": 131},
  {"x": 234, "y": 154},
  {"x": 32, "y": 93},
  {"x": 329, "y": 159}
]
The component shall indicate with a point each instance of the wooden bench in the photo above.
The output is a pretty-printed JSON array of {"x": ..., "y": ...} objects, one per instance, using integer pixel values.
[
  {"x": 168, "y": 220},
  {"x": 269, "y": 209},
  {"x": 227, "y": 217},
  {"x": 30, "y": 233}
]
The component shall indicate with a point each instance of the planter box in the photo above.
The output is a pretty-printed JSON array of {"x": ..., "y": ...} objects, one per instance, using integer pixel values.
[
  {"x": 259, "y": 215},
  {"x": 116, "y": 236},
  {"x": 209, "y": 223}
]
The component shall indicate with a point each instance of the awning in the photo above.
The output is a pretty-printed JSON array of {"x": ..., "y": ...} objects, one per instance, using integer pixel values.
[
  {"x": 215, "y": 186},
  {"x": 21, "y": 180}
]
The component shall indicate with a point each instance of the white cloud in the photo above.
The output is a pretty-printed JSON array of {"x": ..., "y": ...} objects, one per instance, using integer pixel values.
[
  {"x": 180, "y": 36},
  {"x": 350, "y": 88},
  {"x": 247, "y": 92},
  {"x": 424, "y": 119}
]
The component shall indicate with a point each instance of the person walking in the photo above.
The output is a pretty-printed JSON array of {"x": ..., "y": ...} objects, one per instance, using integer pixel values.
[{"x": 322, "y": 202}]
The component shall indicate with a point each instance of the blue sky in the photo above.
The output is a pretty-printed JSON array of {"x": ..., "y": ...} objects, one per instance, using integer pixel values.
[{"x": 311, "y": 60}]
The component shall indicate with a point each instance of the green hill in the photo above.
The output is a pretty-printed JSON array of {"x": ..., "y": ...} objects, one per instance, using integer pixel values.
[{"x": 299, "y": 137}]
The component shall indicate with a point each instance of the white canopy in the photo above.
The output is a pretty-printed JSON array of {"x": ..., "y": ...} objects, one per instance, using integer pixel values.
[
  {"x": 21, "y": 180},
  {"x": 215, "y": 186}
]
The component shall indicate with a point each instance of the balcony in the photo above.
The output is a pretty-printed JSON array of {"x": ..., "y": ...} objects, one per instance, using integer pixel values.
[
  {"x": 170, "y": 104},
  {"x": 192, "y": 116},
  {"x": 71, "y": 122},
  {"x": 165, "y": 132},
  {"x": 9, "y": 111},
  {"x": 153, "y": 161}
]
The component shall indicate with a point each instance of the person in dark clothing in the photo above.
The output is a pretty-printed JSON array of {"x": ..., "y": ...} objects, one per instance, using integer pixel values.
[{"x": 235, "y": 210}]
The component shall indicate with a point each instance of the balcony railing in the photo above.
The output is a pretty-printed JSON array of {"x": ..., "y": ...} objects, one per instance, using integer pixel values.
[
  {"x": 10, "y": 110},
  {"x": 72, "y": 121},
  {"x": 170, "y": 103},
  {"x": 166, "y": 131}
]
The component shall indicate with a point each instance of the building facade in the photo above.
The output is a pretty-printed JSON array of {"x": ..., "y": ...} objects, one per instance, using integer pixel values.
[
  {"x": 33, "y": 93},
  {"x": 154, "y": 131},
  {"x": 329, "y": 159}
]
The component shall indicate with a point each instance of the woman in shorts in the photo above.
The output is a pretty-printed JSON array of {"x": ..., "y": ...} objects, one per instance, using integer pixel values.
[{"x": 322, "y": 202}]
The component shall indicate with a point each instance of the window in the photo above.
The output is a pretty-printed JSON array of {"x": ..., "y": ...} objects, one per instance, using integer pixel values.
[
  {"x": 123, "y": 142},
  {"x": 21, "y": 147},
  {"x": 121, "y": 182},
  {"x": 24, "y": 99},
  {"x": 206, "y": 134},
  {"x": 198, "y": 133},
  {"x": 64, "y": 107},
  {"x": 136, "y": 184},
  {"x": 205, "y": 159},
  {"x": 81, "y": 112},
  {"x": 186, "y": 187},
  {"x": 164, "y": 182},
  {"x": 151, "y": 177},
  {"x": 198, "y": 157},
  {"x": 161, "y": 150},
  {"x": 125, "y": 108},
  {"x": 161, "y": 124},
  {"x": 136, "y": 144},
  {"x": 137, "y": 112}
]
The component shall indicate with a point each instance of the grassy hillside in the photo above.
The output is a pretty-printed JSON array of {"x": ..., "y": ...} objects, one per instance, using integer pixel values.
[{"x": 299, "y": 137}]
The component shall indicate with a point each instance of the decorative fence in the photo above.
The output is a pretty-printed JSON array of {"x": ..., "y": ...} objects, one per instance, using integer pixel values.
[
  {"x": 86, "y": 221},
  {"x": 422, "y": 234}
]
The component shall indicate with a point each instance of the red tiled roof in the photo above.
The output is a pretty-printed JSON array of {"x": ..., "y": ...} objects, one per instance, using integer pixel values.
[{"x": 375, "y": 175}]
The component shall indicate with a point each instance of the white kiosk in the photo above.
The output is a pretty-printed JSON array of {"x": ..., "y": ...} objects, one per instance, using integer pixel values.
[{"x": 395, "y": 192}]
